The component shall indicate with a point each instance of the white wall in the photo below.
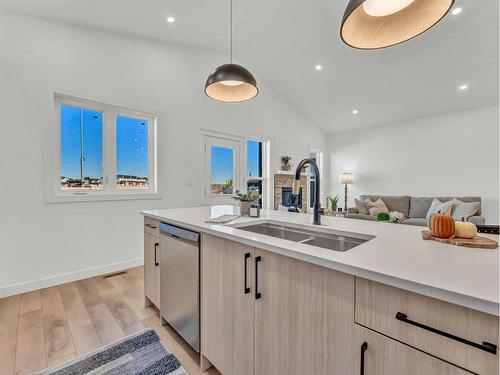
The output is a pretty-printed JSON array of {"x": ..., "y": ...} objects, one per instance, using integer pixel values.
[
  {"x": 38, "y": 58},
  {"x": 449, "y": 155}
]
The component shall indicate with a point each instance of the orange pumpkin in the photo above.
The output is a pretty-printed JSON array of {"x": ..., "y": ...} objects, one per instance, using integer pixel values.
[{"x": 442, "y": 226}]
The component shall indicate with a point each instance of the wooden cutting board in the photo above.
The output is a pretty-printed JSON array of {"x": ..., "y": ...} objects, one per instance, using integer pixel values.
[{"x": 476, "y": 242}]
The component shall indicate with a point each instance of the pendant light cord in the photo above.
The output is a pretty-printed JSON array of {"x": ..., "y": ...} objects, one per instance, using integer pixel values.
[{"x": 231, "y": 29}]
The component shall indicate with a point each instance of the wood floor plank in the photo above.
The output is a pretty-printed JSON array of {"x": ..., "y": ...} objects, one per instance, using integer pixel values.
[
  {"x": 76, "y": 313},
  {"x": 105, "y": 324},
  {"x": 9, "y": 314},
  {"x": 123, "y": 314},
  {"x": 30, "y": 301},
  {"x": 86, "y": 339},
  {"x": 58, "y": 340},
  {"x": 133, "y": 298},
  {"x": 30, "y": 353},
  {"x": 88, "y": 292},
  {"x": 8, "y": 353}
]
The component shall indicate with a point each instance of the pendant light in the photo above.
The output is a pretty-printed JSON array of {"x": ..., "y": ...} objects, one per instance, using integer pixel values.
[
  {"x": 231, "y": 82},
  {"x": 373, "y": 24}
]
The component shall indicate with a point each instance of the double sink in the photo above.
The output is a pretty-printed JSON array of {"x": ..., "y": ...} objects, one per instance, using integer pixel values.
[{"x": 330, "y": 239}]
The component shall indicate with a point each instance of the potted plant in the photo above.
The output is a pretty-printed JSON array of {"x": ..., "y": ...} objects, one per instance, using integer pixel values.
[
  {"x": 383, "y": 216},
  {"x": 334, "y": 202},
  {"x": 246, "y": 201},
  {"x": 285, "y": 163}
]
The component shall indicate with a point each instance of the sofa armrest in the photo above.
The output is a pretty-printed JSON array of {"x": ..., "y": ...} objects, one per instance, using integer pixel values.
[
  {"x": 478, "y": 220},
  {"x": 352, "y": 210}
]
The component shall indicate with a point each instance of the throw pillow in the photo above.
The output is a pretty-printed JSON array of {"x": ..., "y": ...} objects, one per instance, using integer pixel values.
[
  {"x": 361, "y": 207},
  {"x": 464, "y": 210},
  {"x": 376, "y": 207},
  {"x": 437, "y": 206}
]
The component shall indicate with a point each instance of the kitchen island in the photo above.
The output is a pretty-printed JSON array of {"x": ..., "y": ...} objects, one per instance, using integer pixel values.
[{"x": 395, "y": 304}]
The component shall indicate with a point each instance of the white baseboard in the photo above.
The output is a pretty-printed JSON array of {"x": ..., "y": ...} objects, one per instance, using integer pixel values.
[{"x": 46, "y": 282}]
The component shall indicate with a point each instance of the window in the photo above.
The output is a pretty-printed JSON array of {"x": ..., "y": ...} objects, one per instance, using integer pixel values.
[
  {"x": 105, "y": 152},
  {"x": 255, "y": 166},
  {"x": 232, "y": 164},
  {"x": 222, "y": 160},
  {"x": 81, "y": 149}
]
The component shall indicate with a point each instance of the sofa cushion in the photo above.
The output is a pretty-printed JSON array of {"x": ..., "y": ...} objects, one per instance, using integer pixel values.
[
  {"x": 393, "y": 203},
  {"x": 419, "y": 206},
  {"x": 442, "y": 207},
  {"x": 376, "y": 207},
  {"x": 419, "y": 221},
  {"x": 361, "y": 217},
  {"x": 361, "y": 207},
  {"x": 464, "y": 210}
]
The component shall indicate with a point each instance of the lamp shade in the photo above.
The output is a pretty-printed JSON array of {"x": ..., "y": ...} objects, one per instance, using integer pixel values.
[
  {"x": 231, "y": 83},
  {"x": 346, "y": 178},
  {"x": 372, "y": 24}
]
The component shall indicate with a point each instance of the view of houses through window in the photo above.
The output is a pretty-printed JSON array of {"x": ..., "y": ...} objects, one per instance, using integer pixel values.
[{"x": 93, "y": 159}]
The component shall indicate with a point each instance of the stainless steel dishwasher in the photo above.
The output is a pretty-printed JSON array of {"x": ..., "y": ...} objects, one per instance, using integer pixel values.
[{"x": 180, "y": 281}]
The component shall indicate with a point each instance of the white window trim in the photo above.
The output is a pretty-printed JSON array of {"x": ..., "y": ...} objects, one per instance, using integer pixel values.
[
  {"x": 243, "y": 177},
  {"x": 54, "y": 194}
]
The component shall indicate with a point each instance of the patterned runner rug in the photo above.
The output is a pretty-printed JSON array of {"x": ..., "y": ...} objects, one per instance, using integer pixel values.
[{"x": 139, "y": 354}]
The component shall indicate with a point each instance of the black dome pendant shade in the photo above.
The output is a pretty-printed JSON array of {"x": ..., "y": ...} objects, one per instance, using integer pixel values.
[
  {"x": 231, "y": 82},
  {"x": 373, "y": 24}
]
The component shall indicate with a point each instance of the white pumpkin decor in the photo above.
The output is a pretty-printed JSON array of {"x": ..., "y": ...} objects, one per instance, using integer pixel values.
[{"x": 464, "y": 229}]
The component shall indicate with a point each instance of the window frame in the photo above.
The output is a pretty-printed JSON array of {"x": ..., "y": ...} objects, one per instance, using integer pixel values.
[
  {"x": 109, "y": 191},
  {"x": 265, "y": 168}
]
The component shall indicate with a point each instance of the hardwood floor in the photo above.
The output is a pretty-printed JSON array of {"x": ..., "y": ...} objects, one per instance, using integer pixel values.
[{"x": 50, "y": 326}]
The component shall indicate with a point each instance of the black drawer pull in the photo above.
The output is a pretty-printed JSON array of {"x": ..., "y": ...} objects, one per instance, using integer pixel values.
[
  {"x": 150, "y": 226},
  {"x": 246, "y": 287},
  {"x": 486, "y": 346},
  {"x": 156, "y": 248},
  {"x": 258, "y": 295},
  {"x": 364, "y": 347}
]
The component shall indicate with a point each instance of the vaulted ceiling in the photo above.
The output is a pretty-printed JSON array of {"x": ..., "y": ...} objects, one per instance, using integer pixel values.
[{"x": 282, "y": 41}]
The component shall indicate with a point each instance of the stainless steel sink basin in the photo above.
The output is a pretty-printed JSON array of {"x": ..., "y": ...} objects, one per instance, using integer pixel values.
[{"x": 326, "y": 238}]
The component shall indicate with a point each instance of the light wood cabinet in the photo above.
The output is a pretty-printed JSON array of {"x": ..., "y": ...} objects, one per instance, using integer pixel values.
[
  {"x": 297, "y": 317},
  {"x": 151, "y": 264},
  {"x": 227, "y": 333},
  {"x": 376, "y": 354},
  {"x": 304, "y": 319},
  {"x": 413, "y": 319}
]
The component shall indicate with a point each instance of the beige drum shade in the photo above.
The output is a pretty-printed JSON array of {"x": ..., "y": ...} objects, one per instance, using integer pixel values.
[{"x": 361, "y": 30}]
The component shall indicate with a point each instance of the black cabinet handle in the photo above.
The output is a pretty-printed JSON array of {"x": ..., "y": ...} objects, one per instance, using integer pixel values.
[
  {"x": 258, "y": 295},
  {"x": 150, "y": 226},
  {"x": 156, "y": 248},
  {"x": 486, "y": 346},
  {"x": 246, "y": 287},
  {"x": 364, "y": 347}
]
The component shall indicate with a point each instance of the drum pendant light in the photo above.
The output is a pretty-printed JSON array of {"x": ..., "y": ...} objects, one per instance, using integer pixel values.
[
  {"x": 231, "y": 82},
  {"x": 373, "y": 24}
]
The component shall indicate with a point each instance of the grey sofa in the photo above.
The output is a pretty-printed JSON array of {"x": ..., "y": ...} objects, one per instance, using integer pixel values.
[{"x": 413, "y": 208}]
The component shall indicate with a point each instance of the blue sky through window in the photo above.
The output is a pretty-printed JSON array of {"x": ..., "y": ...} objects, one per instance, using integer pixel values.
[
  {"x": 254, "y": 162},
  {"x": 222, "y": 164},
  {"x": 131, "y": 146},
  {"x": 74, "y": 122}
]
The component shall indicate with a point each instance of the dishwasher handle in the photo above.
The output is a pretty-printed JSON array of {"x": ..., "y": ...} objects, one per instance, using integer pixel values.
[{"x": 179, "y": 233}]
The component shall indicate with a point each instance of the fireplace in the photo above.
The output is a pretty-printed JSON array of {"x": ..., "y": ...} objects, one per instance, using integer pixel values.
[
  {"x": 283, "y": 191},
  {"x": 288, "y": 199}
]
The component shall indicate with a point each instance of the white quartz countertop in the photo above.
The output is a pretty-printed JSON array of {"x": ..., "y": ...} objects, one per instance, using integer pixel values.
[{"x": 397, "y": 256}]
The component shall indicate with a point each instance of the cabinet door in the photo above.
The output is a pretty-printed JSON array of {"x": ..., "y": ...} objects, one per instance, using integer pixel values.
[
  {"x": 227, "y": 318},
  {"x": 152, "y": 268},
  {"x": 380, "y": 355},
  {"x": 304, "y": 318}
]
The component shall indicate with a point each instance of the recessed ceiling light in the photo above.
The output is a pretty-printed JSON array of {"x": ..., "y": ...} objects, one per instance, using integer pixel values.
[
  {"x": 354, "y": 111},
  {"x": 318, "y": 67},
  {"x": 456, "y": 11},
  {"x": 170, "y": 19},
  {"x": 463, "y": 87}
]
